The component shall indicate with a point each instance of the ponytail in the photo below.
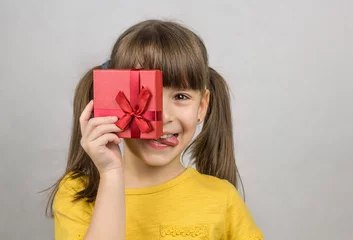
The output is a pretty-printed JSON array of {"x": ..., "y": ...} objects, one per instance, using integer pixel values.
[
  {"x": 79, "y": 163},
  {"x": 213, "y": 149}
]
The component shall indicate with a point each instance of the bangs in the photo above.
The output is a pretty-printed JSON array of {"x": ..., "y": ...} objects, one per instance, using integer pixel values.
[{"x": 171, "y": 48}]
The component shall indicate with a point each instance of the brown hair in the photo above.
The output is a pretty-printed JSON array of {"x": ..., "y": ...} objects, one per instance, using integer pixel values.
[{"x": 182, "y": 56}]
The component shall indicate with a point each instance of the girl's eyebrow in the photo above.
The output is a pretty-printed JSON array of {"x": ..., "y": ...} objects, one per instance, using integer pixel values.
[
  {"x": 176, "y": 89},
  {"x": 182, "y": 89}
]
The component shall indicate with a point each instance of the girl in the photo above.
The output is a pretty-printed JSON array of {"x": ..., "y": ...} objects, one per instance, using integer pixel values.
[{"x": 148, "y": 193}]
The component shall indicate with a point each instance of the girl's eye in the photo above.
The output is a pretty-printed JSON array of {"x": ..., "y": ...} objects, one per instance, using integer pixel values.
[{"x": 181, "y": 96}]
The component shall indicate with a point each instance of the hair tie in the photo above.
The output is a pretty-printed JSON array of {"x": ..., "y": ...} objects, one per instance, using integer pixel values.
[{"x": 106, "y": 64}]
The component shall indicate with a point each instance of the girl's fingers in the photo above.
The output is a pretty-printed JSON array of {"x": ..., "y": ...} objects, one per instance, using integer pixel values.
[
  {"x": 94, "y": 122},
  {"x": 85, "y": 116},
  {"x": 107, "y": 138},
  {"x": 101, "y": 130}
]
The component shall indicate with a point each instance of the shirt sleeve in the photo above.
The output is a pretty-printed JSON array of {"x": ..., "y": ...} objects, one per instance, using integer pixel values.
[
  {"x": 240, "y": 224},
  {"x": 71, "y": 218}
]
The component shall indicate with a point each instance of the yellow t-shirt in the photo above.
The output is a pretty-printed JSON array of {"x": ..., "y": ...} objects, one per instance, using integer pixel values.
[{"x": 190, "y": 206}]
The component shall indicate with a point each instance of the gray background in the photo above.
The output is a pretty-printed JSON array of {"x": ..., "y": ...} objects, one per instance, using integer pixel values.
[{"x": 289, "y": 66}]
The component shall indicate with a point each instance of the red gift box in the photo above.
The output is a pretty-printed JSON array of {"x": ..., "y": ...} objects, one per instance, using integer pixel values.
[{"x": 134, "y": 96}]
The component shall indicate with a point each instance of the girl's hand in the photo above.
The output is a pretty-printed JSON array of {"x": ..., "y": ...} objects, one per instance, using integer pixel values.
[{"x": 100, "y": 141}]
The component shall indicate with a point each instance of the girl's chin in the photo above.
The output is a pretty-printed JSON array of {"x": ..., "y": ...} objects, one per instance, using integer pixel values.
[{"x": 157, "y": 161}]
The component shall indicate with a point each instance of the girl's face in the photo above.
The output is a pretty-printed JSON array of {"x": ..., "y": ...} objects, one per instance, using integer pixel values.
[{"x": 181, "y": 111}]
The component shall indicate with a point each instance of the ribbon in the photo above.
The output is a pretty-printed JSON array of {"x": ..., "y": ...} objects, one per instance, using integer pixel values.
[
  {"x": 134, "y": 111},
  {"x": 134, "y": 114}
]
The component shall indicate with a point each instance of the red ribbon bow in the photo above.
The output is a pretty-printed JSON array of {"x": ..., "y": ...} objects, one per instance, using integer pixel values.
[{"x": 134, "y": 114}]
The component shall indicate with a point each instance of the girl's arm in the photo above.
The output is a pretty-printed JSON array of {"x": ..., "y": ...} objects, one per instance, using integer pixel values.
[
  {"x": 239, "y": 221},
  {"x": 101, "y": 144},
  {"x": 108, "y": 219}
]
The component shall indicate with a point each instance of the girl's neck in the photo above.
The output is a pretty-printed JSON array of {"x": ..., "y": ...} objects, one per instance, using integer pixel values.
[{"x": 140, "y": 175}]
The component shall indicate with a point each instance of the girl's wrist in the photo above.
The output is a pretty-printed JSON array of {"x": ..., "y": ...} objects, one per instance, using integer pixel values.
[{"x": 112, "y": 173}]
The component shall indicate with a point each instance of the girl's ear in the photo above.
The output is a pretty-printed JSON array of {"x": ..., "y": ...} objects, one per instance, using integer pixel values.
[{"x": 205, "y": 99}]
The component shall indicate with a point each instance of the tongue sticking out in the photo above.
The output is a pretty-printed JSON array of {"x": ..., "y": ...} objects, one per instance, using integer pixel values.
[{"x": 171, "y": 141}]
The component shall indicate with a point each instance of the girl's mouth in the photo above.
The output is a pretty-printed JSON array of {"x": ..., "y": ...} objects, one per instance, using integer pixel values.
[{"x": 167, "y": 140}]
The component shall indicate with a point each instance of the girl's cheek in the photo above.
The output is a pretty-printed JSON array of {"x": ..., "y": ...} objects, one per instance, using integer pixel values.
[{"x": 188, "y": 118}]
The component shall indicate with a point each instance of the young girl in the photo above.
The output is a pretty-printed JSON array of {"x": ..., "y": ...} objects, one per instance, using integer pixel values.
[{"x": 148, "y": 193}]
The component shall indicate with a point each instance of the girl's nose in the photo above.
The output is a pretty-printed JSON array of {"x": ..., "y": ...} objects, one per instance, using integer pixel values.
[{"x": 168, "y": 115}]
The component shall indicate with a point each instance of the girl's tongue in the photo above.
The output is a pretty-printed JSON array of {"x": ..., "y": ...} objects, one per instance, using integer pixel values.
[{"x": 171, "y": 140}]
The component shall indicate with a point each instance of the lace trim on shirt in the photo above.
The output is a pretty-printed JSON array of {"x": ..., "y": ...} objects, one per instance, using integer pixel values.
[
  {"x": 79, "y": 237},
  {"x": 183, "y": 231}
]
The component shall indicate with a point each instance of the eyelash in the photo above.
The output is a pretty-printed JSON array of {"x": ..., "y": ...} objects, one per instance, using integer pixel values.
[{"x": 184, "y": 97}]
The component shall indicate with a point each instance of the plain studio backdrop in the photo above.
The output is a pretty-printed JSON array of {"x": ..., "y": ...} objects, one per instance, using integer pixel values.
[{"x": 289, "y": 65}]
